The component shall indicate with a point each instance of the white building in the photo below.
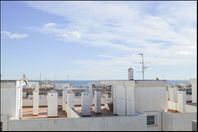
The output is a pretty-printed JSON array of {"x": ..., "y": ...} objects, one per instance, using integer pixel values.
[
  {"x": 138, "y": 105},
  {"x": 11, "y": 100}
]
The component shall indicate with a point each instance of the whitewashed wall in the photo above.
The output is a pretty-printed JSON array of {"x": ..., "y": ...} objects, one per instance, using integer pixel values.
[
  {"x": 72, "y": 114},
  {"x": 114, "y": 123},
  {"x": 172, "y": 93},
  {"x": 178, "y": 121},
  {"x": 8, "y": 98},
  {"x": 191, "y": 108},
  {"x": 194, "y": 90},
  {"x": 172, "y": 105},
  {"x": 150, "y": 99}
]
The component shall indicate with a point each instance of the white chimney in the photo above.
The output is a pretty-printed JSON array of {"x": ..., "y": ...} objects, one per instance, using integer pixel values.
[
  {"x": 52, "y": 103},
  {"x": 97, "y": 101},
  {"x": 70, "y": 102},
  {"x": 86, "y": 103},
  {"x": 130, "y": 74},
  {"x": 181, "y": 104}
]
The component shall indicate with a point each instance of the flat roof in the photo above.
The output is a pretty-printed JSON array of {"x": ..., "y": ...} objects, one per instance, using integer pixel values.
[{"x": 27, "y": 113}]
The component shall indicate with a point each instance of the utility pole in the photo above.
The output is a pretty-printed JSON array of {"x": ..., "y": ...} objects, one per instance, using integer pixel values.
[{"x": 142, "y": 62}]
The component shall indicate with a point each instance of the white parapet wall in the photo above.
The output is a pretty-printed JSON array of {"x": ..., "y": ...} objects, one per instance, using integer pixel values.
[
  {"x": 172, "y": 105},
  {"x": 190, "y": 108},
  {"x": 113, "y": 123},
  {"x": 72, "y": 114},
  {"x": 172, "y": 91},
  {"x": 178, "y": 121}
]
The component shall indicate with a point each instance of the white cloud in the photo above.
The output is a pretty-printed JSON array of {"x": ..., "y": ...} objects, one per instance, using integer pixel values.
[
  {"x": 13, "y": 35},
  {"x": 59, "y": 31},
  {"x": 166, "y": 33}
]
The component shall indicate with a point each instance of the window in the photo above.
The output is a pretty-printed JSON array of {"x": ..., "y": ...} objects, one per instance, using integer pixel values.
[{"x": 151, "y": 120}]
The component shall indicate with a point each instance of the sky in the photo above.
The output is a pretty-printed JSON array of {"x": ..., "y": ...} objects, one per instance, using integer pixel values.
[{"x": 97, "y": 40}]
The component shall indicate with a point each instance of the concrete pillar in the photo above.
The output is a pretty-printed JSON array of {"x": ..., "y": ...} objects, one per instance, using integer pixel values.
[
  {"x": 35, "y": 102},
  {"x": 181, "y": 101},
  {"x": 97, "y": 101},
  {"x": 64, "y": 99},
  {"x": 70, "y": 101}
]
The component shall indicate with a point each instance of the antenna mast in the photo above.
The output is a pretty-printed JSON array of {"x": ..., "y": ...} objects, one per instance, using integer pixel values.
[{"x": 142, "y": 62}]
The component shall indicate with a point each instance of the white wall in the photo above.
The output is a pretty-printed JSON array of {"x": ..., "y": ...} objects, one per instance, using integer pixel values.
[
  {"x": 4, "y": 120},
  {"x": 172, "y": 91},
  {"x": 123, "y": 92},
  {"x": 194, "y": 90},
  {"x": 149, "y": 95},
  {"x": 172, "y": 105},
  {"x": 190, "y": 108},
  {"x": 72, "y": 113},
  {"x": 178, "y": 121},
  {"x": 8, "y": 98},
  {"x": 150, "y": 99},
  {"x": 42, "y": 101},
  {"x": 114, "y": 123}
]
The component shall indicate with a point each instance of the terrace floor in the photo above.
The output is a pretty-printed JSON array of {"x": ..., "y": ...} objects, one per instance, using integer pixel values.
[{"x": 27, "y": 113}]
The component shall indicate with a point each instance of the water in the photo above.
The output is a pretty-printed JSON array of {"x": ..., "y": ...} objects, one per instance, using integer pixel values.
[
  {"x": 173, "y": 82},
  {"x": 85, "y": 83}
]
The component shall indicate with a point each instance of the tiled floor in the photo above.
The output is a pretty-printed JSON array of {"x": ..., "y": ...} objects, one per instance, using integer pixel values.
[{"x": 27, "y": 113}]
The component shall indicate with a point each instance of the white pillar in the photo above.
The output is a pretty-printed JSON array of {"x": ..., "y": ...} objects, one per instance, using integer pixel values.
[
  {"x": 64, "y": 99},
  {"x": 35, "y": 102},
  {"x": 181, "y": 101},
  {"x": 70, "y": 102},
  {"x": 97, "y": 101}
]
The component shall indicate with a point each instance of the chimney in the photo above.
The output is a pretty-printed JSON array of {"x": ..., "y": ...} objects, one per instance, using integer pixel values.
[{"x": 130, "y": 74}]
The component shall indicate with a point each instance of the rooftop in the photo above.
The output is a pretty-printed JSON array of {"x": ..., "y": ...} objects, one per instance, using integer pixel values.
[{"x": 27, "y": 112}]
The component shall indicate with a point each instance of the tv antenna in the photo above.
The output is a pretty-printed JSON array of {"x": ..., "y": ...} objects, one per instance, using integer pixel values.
[{"x": 143, "y": 66}]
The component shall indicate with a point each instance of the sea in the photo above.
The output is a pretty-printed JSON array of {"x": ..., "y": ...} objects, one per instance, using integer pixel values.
[{"x": 85, "y": 83}]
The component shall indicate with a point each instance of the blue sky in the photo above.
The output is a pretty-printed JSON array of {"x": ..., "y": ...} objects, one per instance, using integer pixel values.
[{"x": 98, "y": 40}]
